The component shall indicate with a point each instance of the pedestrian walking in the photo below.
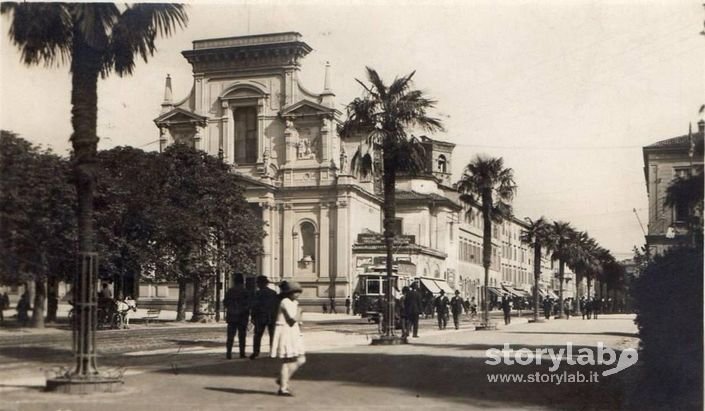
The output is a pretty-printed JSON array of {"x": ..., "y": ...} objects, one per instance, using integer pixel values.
[
  {"x": 332, "y": 306},
  {"x": 288, "y": 342},
  {"x": 456, "y": 308},
  {"x": 402, "y": 312},
  {"x": 507, "y": 310},
  {"x": 412, "y": 309},
  {"x": 237, "y": 306},
  {"x": 567, "y": 308},
  {"x": 596, "y": 307},
  {"x": 547, "y": 307},
  {"x": 23, "y": 308},
  {"x": 583, "y": 307},
  {"x": 473, "y": 308},
  {"x": 441, "y": 306},
  {"x": 588, "y": 308},
  {"x": 263, "y": 312}
]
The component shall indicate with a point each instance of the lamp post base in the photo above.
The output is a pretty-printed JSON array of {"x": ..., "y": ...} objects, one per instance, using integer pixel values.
[
  {"x": 84, "y": 385},
  {"x": 389, "y": 340}
]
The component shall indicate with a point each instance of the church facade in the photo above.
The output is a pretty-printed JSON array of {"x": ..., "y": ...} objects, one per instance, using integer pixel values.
[{"x": 323, "y": 225}]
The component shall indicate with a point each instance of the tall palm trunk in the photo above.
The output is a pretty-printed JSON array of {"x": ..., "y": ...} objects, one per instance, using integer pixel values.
[
  {"x": 85, "y": 69},
  {"x": 181, "y": 302},
  {"x": 537, "y": 277},
  {"x": 389, "y": 214},
  {"x": 486, "y": 248},
  {"x": 561, "y": 278},
  {"x": 579, "y": 294},
  {"x": 589, "y": 281}
]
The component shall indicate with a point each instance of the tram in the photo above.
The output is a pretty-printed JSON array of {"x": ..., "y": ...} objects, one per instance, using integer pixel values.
[{"x": 371, "y": 289}]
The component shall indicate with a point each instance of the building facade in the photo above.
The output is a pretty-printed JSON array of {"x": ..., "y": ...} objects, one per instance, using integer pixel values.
[
  {"x": 664, "y": 161},
  {"x": 323, "y": 224}
]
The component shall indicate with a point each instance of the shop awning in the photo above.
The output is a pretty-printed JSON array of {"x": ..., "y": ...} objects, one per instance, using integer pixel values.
[
  {"x": 496, "y": 291},
  {"x": 444, "y": 286},
  {"x": 525, "y": 293},
  {"x": 516, "y": 292},
  {"x": 430, "y": 285},
  {"x": 543, "y": 293},
  {"x": 552, "y": 294}
]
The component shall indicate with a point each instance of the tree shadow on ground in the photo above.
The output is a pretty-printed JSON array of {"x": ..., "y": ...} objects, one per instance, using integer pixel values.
[
  {"x": 240, "y": 391},
  {"x": 444, "y": 377}
]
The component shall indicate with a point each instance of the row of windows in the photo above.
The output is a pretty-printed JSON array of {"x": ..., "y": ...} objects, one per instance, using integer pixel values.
[
  {"x": 471, "y": 251},
  {"x": 516, "y": 275},
  {"x": 514, "y": 252}
]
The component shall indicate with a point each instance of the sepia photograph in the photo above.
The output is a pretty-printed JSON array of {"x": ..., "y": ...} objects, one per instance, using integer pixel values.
[{"x": 352, "y": 205}]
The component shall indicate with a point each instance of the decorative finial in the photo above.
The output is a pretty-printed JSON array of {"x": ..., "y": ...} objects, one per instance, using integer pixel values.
[
  {"x": 167, "y": 90},
  {"x": 326, "y": 81}
]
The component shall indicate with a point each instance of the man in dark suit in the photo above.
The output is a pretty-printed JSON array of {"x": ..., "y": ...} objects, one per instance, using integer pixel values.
[
  {"x": 412, "y": 309},
  {"x": 441, "y": 305},
  {"x": 456, "y": 308},
  {"x": 264, "y": 311},
  {"x": 237, "y": 306}
]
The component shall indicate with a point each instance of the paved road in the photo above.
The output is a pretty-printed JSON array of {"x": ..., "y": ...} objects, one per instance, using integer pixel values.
[{"x": 441, "y": 370}]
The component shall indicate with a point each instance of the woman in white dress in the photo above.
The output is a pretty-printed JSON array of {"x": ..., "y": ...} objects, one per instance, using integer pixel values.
[{"x": 287, "y": 343}]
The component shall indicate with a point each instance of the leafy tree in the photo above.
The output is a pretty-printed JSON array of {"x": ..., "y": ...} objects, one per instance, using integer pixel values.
[
  {"x": 668, "y": 300},
  {"x": 536, "y": 236},
  {"x": 125, "y": 204},
  {"x": 384, "y": 115},
  {"x": 96, "y": 38},
  {"x": 486, "y": 181},
  {"x": 203, "y": 223},
  {"x": 687, "y": 192},
  {"x": 37, "y": 220}
]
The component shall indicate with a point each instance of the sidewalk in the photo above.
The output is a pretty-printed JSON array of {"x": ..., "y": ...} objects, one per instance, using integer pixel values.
[{"x": 441, "y": 370}]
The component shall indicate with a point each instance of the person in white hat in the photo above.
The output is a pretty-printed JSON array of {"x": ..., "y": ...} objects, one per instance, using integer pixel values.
[{"x": 287, "y": 343}]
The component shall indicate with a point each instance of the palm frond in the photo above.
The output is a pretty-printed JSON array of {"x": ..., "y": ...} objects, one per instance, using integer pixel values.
[
  {"x": 135, "y": 32},
  {"x": 42, "y": 31}
]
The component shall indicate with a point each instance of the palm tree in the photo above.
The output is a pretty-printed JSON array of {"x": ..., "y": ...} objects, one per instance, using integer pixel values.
[
  {"x": 384, "y": 114},
  {"x": 560, "y": 237},
  {"x": 582, "y": 259},
  {"x": 486, "y": 179},
  {"x": 536, "y": 236},
  {"x": 96, "y": 38}
]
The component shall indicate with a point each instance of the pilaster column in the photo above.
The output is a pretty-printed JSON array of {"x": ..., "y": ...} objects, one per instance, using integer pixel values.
[
  {"x": 324, "y": 240},
  {"x": 268, "y": 241},
  {"x": 288, "y": 250},
  {"x": 225, "y": 124},
  {"x": 260, "y": 129},
  {"x": 342, "y": 235}
]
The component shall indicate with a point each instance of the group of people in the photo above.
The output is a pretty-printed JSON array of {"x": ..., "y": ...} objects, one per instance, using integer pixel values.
[
  {"x": 278, "y": 314},
  {"x": 442, "y": 306},
  {"x": 590, "y": 307}
]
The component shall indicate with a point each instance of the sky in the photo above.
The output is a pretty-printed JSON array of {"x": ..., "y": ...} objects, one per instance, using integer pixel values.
[{"x": 567, "y": 93}]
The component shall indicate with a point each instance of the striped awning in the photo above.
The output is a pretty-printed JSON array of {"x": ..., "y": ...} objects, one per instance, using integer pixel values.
[
  {"x": 444, "y": 286},
  {"x": 430, "y": 285},
  {"x": 496, "y": 291}
]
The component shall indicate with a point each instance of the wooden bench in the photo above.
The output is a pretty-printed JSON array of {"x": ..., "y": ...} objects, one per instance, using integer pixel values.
[{"x": 152, "y": 314}]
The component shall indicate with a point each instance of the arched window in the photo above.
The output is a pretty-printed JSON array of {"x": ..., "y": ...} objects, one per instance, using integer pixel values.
[
  {"x": 442, "y": 164},
  {"x": 308, "y": 241}
]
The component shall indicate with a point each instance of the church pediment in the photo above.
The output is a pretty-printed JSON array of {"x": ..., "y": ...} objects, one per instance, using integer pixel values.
[
  {"x": 180, "y": 116},
  {"x": 306, "y": 108}
]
